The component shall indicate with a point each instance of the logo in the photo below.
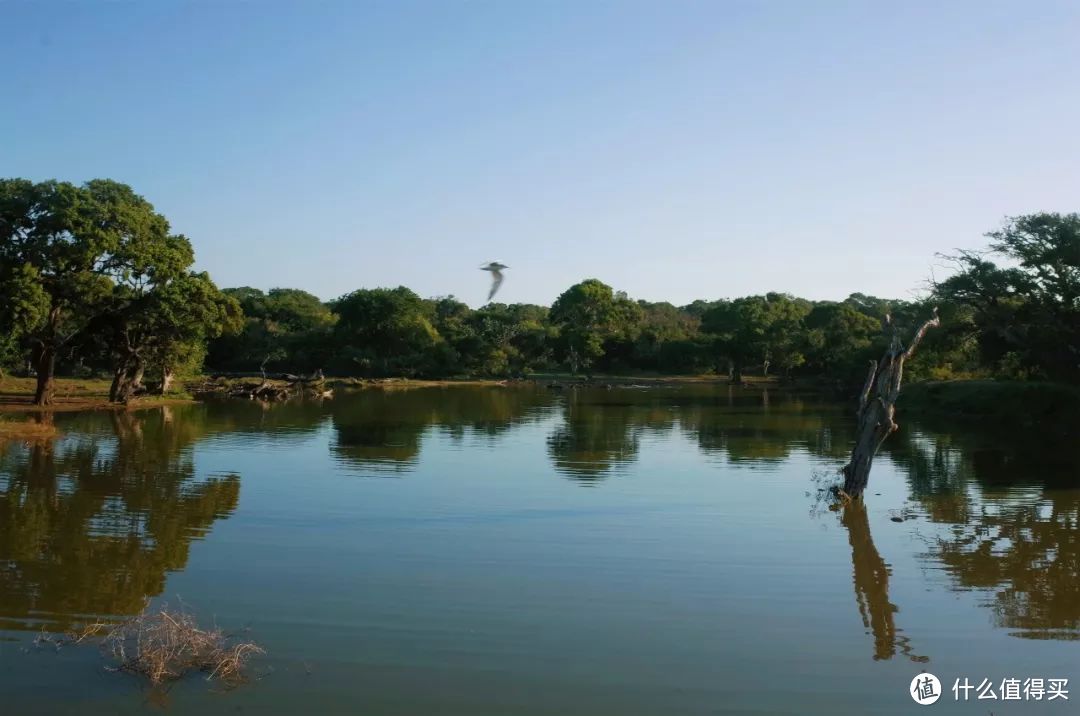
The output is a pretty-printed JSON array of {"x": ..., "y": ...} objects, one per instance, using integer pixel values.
[{"x": 925, "y": 689}]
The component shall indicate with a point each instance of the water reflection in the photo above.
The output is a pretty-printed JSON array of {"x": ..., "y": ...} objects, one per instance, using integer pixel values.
[
  {"x": 600, "y": 431},
  {"x": 1009, "y": 524},
  {"x": 383, "y": 431},
  {"x": 870, "y": 574},
  {"x": 759, "y": 429},
  {"x": 91, "y": 524}
]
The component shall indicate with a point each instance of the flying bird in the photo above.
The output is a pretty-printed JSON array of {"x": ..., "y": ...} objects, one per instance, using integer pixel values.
[{"x": 496, "y": 270}]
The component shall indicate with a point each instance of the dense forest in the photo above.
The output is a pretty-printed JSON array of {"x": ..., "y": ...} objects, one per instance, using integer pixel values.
[{"x": 93, "y": 281}]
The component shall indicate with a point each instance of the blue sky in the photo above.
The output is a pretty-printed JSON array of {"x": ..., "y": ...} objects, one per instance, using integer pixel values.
[{"x": 675, "y": 150}]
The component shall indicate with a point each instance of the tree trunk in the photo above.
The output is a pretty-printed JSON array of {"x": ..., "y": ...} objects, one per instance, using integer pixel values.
[
  {"x": 166, "y": 379},
  {"x": 126, "y": 379},
  {"x": 46, "y": 360},
  {"x": 118, "y": 377},
  {"x": 877, "y": 406},
  {"x": 46, "y": 367},
  {"x": 137, "y": 376}
]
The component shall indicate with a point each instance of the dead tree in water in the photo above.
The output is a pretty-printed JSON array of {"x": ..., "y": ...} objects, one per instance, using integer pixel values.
[{"x": 877, "y": 404}]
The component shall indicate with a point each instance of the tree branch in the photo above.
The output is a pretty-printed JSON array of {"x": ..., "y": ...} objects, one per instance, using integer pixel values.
[
  {"x": 864, "y": 396},
  {"x": 917, "y": 339}
]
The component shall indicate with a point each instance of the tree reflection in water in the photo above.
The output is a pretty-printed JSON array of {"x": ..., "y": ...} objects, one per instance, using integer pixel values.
[
  {"x": 384, "y": 430},
  {"x": 91, "y": 525},
  {"x": 601, "y": 431},
  {"x": 1008, "y": 517},
  {"x": 871, "y": 578}
]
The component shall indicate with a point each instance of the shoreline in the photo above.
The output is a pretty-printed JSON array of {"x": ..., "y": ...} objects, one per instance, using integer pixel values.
[
  {"x": 73, "y": 395},
  {"x": 79, "y": 394}
]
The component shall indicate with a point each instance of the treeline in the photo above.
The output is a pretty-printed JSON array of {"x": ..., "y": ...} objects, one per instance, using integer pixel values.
[
  {"x": 1017, "y": 321},
  {"x": 589, "y": 329},
  {"x": 93, "y": 280}
]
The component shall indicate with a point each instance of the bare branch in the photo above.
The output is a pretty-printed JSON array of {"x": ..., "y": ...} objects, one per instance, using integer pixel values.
[
  {"x": 917, "y": 339},
  {"x": 867, "y": 386}
]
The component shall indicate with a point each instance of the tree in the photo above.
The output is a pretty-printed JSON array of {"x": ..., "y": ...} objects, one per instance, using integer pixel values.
[
  {"x": 784, "y": 339},
  {"x": 533, "y": 337},
  {"x": 167, "y": 327},
  {"x": 139, "y": 306},
  {"x": 185, "y": 314},
  {"x": 78, "y": 242},
  {"x": 386, "y": 331},
  {"x": 756, "y": 329},
  {"x": 284, "y": 326},
  {"x": 586, "y": 314},
  {"x": 840, "y": 340},
  {"x": 667, "y": 339},
  {"x": 454, "y": 322},
  {"x": 22, "y": 303},
  {"x": 1028, "y": 315}
]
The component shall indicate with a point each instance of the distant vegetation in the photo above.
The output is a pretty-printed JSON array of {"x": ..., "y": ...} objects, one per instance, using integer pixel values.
[{"x": 92, "y": 281}]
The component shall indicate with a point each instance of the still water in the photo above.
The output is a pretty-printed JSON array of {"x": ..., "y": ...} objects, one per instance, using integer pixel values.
[{"x": 522, "y": 551}]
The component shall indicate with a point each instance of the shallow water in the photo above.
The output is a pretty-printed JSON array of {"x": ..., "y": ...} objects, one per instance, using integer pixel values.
[{"x": 521, "y": 551}]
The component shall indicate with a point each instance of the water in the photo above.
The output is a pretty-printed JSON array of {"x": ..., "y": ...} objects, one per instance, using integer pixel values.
[{"x": 522, "y": 551}]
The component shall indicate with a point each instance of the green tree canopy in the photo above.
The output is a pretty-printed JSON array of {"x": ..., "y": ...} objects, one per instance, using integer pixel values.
[
  {"x": 386, "y": 331},
  {"x": 1027, "y": 314},
  {"x": 82, "y": 245},
  {"x": 587, "y": 314}
]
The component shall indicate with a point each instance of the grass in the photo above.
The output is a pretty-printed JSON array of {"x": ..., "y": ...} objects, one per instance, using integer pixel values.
[
  {"x": 164, "y": 646},
  {"x": 17, "y": 396}
]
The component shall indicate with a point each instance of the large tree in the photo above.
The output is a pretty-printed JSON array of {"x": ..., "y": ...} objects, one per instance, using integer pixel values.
[
  {"x": 78, "y": 243},
  {"x": 22, "y": 310},
  {"x": 386, "y": 331},
  {"x": 751, "y": 330},
  {"x": 168, "y": 328},
  {"x": 839, "y": 340},
  {"x": 285, "y": 327},
  {"x": 589, "y": 313},
  {"x": 1027, "y": 314}
]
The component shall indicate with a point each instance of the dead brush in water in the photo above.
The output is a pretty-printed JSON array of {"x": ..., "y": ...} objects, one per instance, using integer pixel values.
[{"x": 167, "y": 644}]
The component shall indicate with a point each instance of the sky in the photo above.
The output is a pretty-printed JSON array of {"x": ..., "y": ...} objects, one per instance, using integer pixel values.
[{"x": 675, "y": 150}]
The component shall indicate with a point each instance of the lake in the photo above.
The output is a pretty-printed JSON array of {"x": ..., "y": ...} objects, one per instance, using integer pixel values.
[{"x": 517, "y": 551}]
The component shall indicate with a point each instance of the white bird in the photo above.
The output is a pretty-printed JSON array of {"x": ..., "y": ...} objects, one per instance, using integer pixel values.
[{"x": 496, "y": 270}]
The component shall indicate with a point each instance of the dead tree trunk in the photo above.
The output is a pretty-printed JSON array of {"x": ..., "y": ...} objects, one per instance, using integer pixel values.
[{"x": 877, "y": 405}]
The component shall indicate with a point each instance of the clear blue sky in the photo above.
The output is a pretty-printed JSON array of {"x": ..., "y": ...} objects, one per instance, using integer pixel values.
[{"x": 675, "y": 150}]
